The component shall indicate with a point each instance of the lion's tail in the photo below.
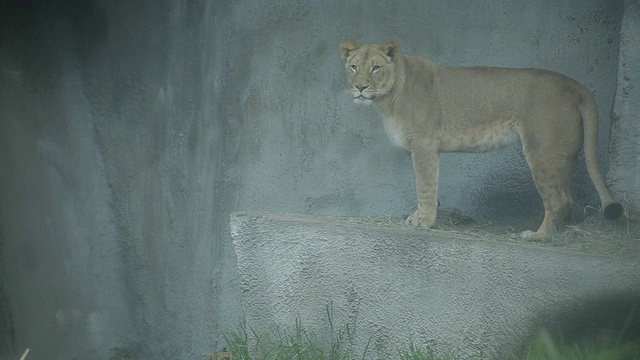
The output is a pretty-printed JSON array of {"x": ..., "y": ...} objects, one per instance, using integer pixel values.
[{"x": 589, "y": 113}]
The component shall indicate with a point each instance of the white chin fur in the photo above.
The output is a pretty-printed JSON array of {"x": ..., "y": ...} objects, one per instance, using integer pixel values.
[{"x": 362, "y": 101}]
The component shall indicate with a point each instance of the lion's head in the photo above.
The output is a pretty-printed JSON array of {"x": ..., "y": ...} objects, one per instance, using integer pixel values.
[{"x": 370, "y": 68}]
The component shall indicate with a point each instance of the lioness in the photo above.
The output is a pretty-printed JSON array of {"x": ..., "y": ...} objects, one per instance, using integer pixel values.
[{"x": 429, "y": 109}]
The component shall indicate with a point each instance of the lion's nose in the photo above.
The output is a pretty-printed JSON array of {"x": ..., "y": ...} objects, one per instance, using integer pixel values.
[{"x": 361, "y": 87}]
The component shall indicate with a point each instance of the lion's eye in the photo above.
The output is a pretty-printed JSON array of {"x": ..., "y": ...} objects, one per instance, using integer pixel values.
[
  {"x": 354, "y": 68},
  {"x": 375, "y": 68}
]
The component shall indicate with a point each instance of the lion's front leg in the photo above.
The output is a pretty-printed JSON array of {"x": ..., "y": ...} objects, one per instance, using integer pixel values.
[{"x": 425, "y": 165}]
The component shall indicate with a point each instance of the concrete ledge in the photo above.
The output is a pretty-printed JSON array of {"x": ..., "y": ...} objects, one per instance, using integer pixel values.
[{"x": 485, "y": 298}]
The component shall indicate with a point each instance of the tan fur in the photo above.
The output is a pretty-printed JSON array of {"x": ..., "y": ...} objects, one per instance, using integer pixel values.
[{"x": 429, "y": 109}]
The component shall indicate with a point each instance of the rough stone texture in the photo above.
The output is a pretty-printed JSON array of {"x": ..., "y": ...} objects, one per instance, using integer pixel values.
[
  {"x": 624, "y": 174},
  {"x": 485, "y": 298},
  {"x": 110, "y": 153},
  {"x": 130, "y": 131}
]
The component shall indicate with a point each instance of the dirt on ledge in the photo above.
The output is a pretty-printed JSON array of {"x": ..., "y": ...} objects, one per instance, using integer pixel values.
[{"x": 594, "y": 234}]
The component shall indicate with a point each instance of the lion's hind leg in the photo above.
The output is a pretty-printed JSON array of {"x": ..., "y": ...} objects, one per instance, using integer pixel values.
[
  {"x": 552, "y": 172},
  {"x": 557, "y": 210}
]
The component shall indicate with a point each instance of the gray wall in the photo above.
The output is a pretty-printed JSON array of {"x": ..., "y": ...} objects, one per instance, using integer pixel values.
[
  {"x": 110, "y": 145},
  {"x": 624, "y": 175},
  {"x": 128, "y": 133}
]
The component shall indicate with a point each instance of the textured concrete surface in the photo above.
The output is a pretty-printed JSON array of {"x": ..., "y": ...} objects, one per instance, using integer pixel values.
[
  {"x": 130, "y": 131},
  {"x": 109, "y": 149},
  {"x": 624, "y": 175},
  {"x": 485, "y": 298}
]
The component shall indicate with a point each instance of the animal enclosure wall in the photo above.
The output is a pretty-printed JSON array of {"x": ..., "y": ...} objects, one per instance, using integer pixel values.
[{"x": 129, "y": 131}]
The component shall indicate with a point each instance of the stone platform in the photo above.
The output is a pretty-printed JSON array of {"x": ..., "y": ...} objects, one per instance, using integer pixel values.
[{"x": 484, "y": 298}]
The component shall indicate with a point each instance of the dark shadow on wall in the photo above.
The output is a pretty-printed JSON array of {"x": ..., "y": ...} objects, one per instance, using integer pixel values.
[
  {"x": 7, "y": 331},
  {"x": 603, "y": 320},
  {"x": 30, "y": 30}
]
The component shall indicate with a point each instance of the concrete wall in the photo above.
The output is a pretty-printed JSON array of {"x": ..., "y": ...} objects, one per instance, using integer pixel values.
[
  {"x": 624, "y": 175},
  {"x": 129, "y": 132},
  {"x": 110, "y": 145}
]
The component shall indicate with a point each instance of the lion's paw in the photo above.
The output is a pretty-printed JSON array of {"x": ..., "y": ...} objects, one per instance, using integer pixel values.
[
  {"x": 421, "y": 219},
  {"x": 533, "y": 235}
]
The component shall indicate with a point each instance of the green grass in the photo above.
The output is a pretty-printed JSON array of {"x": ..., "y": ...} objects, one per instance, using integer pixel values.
[
  {"x": 605, "y": 348},
  {"x": 299, "y": 343},
  {"x": 417, "y": 352}
]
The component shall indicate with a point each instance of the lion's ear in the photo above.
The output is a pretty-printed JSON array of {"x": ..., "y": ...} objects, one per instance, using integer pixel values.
[
  {"x": 346, "y": 47},
  {"x": 391, "y": 48}
]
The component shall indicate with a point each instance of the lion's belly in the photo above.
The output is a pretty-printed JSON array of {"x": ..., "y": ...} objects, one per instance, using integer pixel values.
[
  {"x": 463, "y": 139},
  {"x": 479, "y": 140}
]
